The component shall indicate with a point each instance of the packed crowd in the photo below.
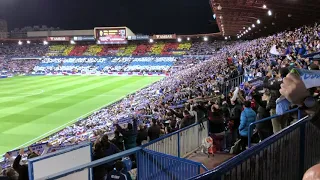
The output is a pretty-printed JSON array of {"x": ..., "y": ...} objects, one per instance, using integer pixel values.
[
  {"x": 106, "y": 64},
  {"x": 195, "y": 93}
]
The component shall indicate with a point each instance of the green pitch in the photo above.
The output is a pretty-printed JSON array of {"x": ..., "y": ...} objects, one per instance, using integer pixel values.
[{"x": 32, "y": 108}]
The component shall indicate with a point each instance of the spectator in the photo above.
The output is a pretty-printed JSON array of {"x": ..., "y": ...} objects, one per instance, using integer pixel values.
[
  {"x": 274, "y": 87},
  {"x": 216, "y": 123},
  {"x": 154, "y": 130},
  {"x": 129, "y": 135},
  {"x": 312, "y": 173},
  {"x": 142, "y": 134},
  {"x": 248, "y": 116},
  {"x": 235, "y": 114},
  {"x": 22, "y": 170},
  {"x": 264, "y": 128},
  {"x": 10, "y": 174},
  {"x": 118, "y": 140},
  {"x": 103, "y": 148},
  {"x": 117, "y": 173}
]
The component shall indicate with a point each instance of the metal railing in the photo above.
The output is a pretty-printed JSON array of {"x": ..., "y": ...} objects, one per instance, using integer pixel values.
[
  {"x": 285, "y": 155},
  {"x": 181, "y": 142},
  {"x": 251, "y": 126},
  {"x": 152, "y": 163},
  {"x": 230, "y": 84}
]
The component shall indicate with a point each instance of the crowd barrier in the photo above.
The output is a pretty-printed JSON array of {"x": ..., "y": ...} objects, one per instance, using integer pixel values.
[
  {"x": 230, "y": 84},
  {"x": 42, "y": 166},
  {"x": 160, "y": 163},
  {"x": 251, "y": 126},
  {"x": 182, "y": 142},
  {"x": 286, "y": 155}
]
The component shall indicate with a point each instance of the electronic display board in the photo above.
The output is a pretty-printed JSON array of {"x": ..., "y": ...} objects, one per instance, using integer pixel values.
[{"x": 110, "y": 35}]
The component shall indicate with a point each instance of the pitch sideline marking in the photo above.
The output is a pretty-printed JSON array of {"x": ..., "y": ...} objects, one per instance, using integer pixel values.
[
  {"x": 23, "y": 94},
  {"x": 74, "y": 120}
]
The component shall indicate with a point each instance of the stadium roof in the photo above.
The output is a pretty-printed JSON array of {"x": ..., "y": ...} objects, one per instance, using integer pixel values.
[{"x": 233, "y": 16}]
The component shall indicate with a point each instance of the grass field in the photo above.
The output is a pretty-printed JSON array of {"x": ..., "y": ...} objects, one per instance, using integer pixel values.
[{"x": 32, "y": 108}]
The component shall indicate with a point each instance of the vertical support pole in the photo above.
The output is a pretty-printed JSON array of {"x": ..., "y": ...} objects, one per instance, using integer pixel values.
[
  {"x": 249, "y": 135},
  {"x": 178, "y": 134},
  {"x": 299, "y": 114},
  {"x": 302, "y": 152}
]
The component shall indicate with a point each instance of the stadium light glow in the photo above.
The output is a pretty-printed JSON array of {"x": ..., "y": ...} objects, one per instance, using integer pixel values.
[
  {"x": 270, "y": 13},
  {"x": 258, "y": 21},
  {"x": 264, "y": 6},
  {"x": 253, "y": 25},
  {"x": 151, "y": 40},
  {"x": 246, "y": 30},
  {"x": 249, "y": 28},
  {"x": 20, "y": 42},
  {"x": 179, "y": 39},
  {"x": 45, "y": 42},
  {"x": 225, "y": 38},
  {"x": 205, "y": 38},
  {"x": 188, "y": 39},
  {"x": 28, "y": 42}
]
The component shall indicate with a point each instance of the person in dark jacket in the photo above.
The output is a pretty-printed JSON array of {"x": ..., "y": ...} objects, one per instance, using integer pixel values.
[
  {"x": 186, "y": 117},
  {"x": 216, "y": 122},
  {"x": 117, "y": 173},
  {"x": 142, "y": 134},
  {"x": 274, "y": 87},
  {"x": 118, "y": 140},
  {"x": 154, "y": 130},
  {"x": 103, "y": 148},
  {"x": 129, "y": 134},
  {"x": 264, "y": 128},
  {"x": 22, "y": 170},
  {"x": 235, "y": 113}
]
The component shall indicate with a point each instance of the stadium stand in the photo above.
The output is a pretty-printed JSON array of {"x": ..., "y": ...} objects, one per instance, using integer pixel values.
[
  {"x": 93, "y": 50},
  {"x": 56, "y": 50},
  {"x": 245, "y": 73},
  {"x": 78, "y": 50},
  {"x": 67, "y": 51}
]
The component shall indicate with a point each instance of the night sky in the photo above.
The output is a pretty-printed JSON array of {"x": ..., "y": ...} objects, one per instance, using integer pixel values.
[{"x": 141, "y": 16}]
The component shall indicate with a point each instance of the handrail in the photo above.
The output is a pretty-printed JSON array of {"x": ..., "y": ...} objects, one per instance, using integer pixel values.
[
  {"x": 94, "y": 163},
  {"x": 171, "y": 134},
  {"x": 250, "y": 152},
  {"x": 267, "y": 119},
  {"x": 123, "y": 154}
]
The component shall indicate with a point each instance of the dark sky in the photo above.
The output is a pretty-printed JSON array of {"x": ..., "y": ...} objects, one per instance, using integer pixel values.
[{"x": 141, "y": 16}]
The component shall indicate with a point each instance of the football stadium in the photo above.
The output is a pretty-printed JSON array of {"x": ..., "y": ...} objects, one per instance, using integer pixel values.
[{"x": 240, "y": 102}]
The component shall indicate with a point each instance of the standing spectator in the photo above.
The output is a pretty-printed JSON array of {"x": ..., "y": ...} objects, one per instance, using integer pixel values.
[
  {"x": 248, "y": 116},
  {"x": 117, "y": 173},
  {"x": 154, "y": 130},
  {"x": 129, "y": 135},
  {"x": 103, "y": 148},
  {"x": 264, "y": 128},
  {"x": 235, "y": 113},
  {"x": 142, "y": 134},
  {"x": 274, "y": 87},
  {"x": 118, "y": 140},
  {"x": 216, "y": 123},
  {"x": 22, "y": 170}
]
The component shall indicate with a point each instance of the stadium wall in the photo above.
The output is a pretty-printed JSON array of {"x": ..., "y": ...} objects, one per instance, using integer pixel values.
[{"x": 52, "y": 163}]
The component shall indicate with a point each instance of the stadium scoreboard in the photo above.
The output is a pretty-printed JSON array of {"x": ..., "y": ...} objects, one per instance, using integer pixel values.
[{"x": 110, "y": 35}]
